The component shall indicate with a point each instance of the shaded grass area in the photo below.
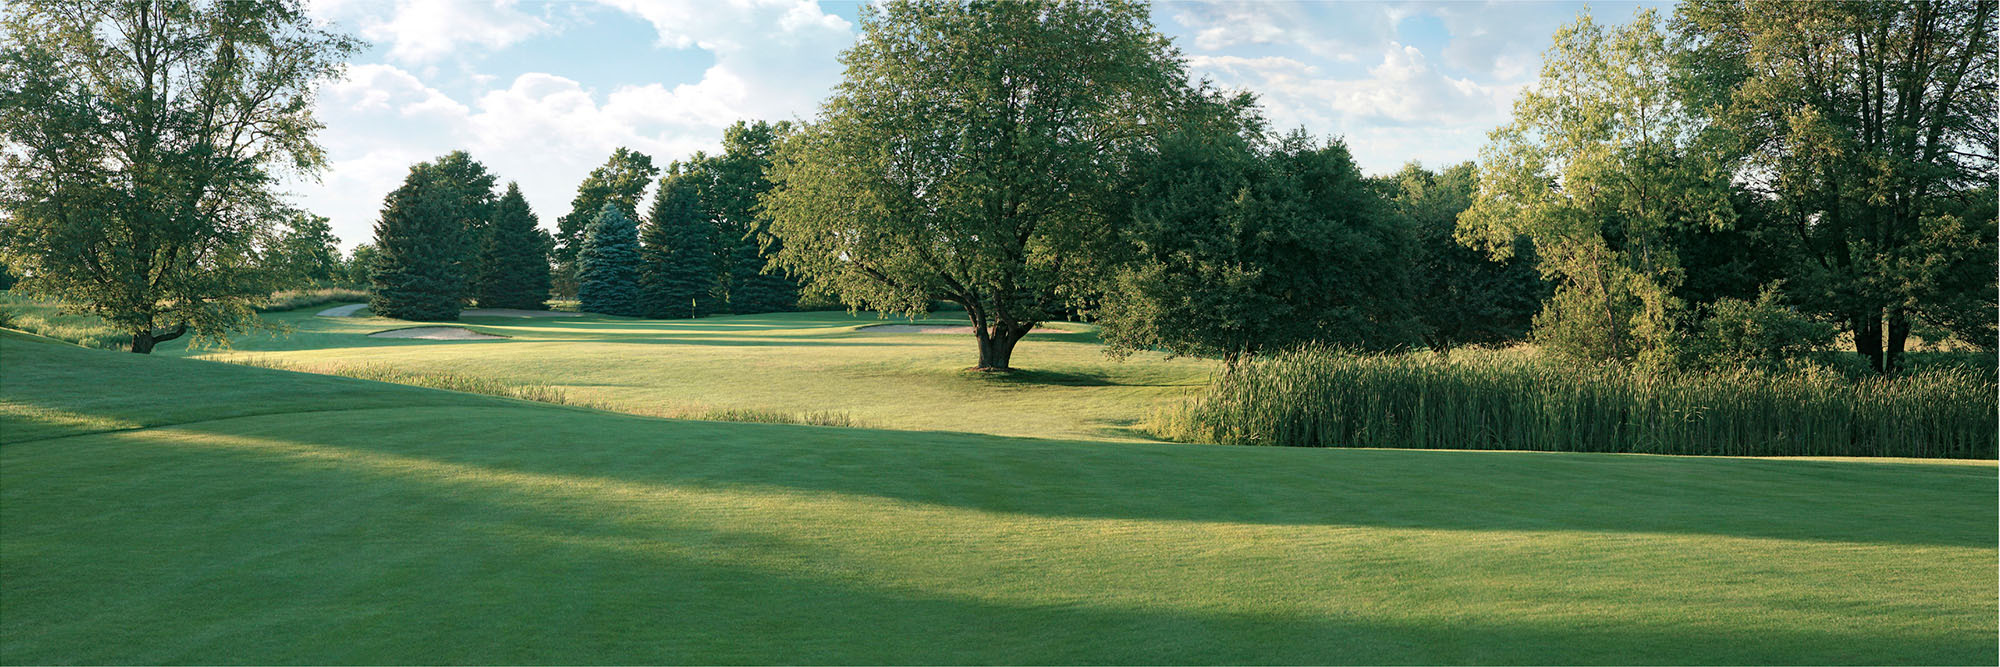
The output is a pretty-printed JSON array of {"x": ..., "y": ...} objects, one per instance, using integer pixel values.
[
  {"x": 54, "y": 320},
  {"x": 1497, "y": 400},
  {"x": 484, "y": 530},
  {"x": 815, "y": 368}
]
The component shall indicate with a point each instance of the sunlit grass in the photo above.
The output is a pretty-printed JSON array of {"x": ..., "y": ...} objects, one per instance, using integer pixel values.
[{"x": 337, "y": 520}]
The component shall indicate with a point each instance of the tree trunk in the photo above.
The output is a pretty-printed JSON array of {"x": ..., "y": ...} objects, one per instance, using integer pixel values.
[
  {"x": 144, "y": 339},
  {"x": 996, "y": 348},
  {"x": 1868, "y": 337},
  {"x": 1899, "y": 334}
]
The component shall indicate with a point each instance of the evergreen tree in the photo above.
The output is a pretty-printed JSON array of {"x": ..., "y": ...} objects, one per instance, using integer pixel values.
[
  {"x": 418, "y": 240},
  {"x": 514, "y": 263},
  {"x": 677, "y": 273},
  {"x": 472, "y": 184},
  {"x": 607, "y": 264},
  {"x": 621, "y": 181}
]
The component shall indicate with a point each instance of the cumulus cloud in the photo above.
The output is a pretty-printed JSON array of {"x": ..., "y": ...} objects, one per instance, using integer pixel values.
[
  {"x": 1432, "y": 116},
  {"x": 424, "y": 31}
]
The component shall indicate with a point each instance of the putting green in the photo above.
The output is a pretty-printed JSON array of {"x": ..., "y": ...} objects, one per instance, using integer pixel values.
[{"x": 160, "y": 510}]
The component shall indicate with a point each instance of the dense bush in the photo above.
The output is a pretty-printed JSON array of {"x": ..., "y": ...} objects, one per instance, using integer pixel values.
[{"x": 1488, "y": 400}]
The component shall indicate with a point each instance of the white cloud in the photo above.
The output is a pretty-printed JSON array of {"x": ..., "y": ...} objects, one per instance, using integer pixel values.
[
  {"x": 425, "y": 31},
  {"x": 1431, "y": 116}
]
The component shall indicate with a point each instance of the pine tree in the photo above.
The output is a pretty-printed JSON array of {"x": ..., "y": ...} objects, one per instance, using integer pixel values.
[
  {"x": 418, "y": 246},
  {"x": 677, "y": 272},
  {"x": 607, "y": 264},
  {"x": 514, "y": 264}
]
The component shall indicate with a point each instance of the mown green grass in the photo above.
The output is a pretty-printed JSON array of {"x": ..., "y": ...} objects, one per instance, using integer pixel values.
[
  {"x": 814, "y": 367},
  {"x": 225, "y": 514}
]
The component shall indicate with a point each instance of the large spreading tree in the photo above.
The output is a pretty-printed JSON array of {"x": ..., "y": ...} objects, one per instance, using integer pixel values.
[
  {"x": 514, "y": 257},
  {"x": 607, "y": 264},
  {"x": 1872, "y": 126},
  {"x": 970, "y": 154},
  {"x": 143, "y": 143}
]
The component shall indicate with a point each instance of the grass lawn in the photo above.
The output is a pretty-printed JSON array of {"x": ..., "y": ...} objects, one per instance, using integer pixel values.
[
  {"x": 162, "y": 510},
  {"x": 793, "y": 363}
]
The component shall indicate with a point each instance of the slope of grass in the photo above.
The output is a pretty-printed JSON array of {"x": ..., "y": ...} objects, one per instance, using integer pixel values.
[
  {"x": 822, "y": 363},
  {"x": 371, "y": 523}
]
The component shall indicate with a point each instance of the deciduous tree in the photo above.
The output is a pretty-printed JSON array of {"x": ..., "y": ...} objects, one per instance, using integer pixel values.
[
  {"x": 969, "y": 153},
  {"x": 1857, "y": 118},
  {"x": 143, "y": 140}
]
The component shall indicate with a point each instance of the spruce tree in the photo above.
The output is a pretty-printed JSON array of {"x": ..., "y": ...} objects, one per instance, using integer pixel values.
[
  {"x": 514, "y": 264},
  {"x": 607, "y": 264},
  {"x": 418, "y": 250},
  {"x": 621, "y": 180},
  {"x": 677, "y": 272}
]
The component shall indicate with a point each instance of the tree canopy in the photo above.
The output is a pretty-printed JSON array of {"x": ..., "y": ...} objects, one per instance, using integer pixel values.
[
  {"x": 620, "y": 181},
  {"x": 514, "y": 257},
  {"x": 968, "y": 154},
  {"x": 144, "y": 139},
  {"x": 607, "y": 265}
]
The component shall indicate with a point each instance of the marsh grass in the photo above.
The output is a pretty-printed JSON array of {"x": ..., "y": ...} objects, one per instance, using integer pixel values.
[{"x": 1501, "y": 400}]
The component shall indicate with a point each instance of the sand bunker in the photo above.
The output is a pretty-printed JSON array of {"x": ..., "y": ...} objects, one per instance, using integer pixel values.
[
  {"x": 343, "y": 311},
  {"x": 515, "y": 312},
  {"x": 935, "y": 329},
  {"x": 435, "y": 333}
]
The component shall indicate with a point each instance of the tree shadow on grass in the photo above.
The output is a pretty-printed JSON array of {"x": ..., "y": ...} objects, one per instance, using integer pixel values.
[
  {"x": 347, "y": 566},
  {"x": 1894, "y": 503}
]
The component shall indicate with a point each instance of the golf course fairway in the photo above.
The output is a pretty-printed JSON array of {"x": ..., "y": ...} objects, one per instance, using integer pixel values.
[{"x": 167, "y": 510}]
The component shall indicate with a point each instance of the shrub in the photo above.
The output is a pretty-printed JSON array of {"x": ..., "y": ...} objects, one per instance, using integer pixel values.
[{"x": 1765, "y": 333}]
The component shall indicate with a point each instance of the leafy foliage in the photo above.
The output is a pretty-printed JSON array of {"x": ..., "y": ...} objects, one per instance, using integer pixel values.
[
  {"x": 514, "y": 262},
  {"x": 1765, "y": 333},
  {"x": 607, "y": 266},
  {"x": 1234, "y": 251},
  {"x": 744, "y": 241},
  {"x": 1600, "y": 170},
  {"x": 969, "y": 154},
  {"x": 143, "y": 139},
  {"x": 1856, "y": 119},
  {"x": 305, "y": 253},
  {"x": 1460, "y": 296}
]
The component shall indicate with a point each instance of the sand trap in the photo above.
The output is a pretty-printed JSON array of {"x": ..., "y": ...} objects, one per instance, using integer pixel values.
[
  {"x": 434, "y": 333},
  {"x": 515, "y": 312},
  {"x": 343, "y": 311},
  {"x": 964, "y": 329}
]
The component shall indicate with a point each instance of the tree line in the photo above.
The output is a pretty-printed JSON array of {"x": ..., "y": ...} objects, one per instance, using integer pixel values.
[
  {"x": 1733, "y": 186},
  {"x": 444, "y": 239},
  {"x": 1730, "y": 185}
]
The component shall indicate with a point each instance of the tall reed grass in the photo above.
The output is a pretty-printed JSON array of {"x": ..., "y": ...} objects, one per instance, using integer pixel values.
[{"x": 1322, "y": 398}]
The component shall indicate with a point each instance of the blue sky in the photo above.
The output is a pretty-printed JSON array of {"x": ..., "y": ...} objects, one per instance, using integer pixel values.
[{"x": 541, "y": 91}]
